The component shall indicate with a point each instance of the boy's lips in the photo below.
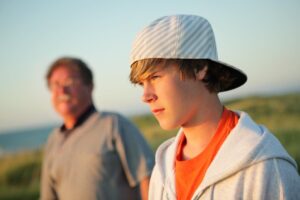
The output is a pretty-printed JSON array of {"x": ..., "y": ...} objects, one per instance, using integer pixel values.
[{"x": 157, "y": 111}]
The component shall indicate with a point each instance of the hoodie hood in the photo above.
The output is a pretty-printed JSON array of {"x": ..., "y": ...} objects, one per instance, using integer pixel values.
[{"x": 246, "y": 145}]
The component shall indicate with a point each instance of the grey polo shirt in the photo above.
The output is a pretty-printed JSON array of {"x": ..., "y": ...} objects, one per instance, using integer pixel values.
[{"x": 104, "y": 158}]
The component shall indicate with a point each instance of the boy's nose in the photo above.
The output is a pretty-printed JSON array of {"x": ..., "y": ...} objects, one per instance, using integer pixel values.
[
  {"x": 148, "y": 98},
  {"x": 148, "y": 95}
]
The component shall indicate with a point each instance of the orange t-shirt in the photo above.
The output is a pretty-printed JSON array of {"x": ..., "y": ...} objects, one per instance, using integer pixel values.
[{"x": 189, "y": 173}]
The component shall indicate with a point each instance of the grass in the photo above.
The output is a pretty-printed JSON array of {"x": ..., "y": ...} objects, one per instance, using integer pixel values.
[
  {"x": 25, "y": 193},
  {"x": 152, "y": 131},
  {"x": 281, "y": 114},
  {"x": 19, "y": 173}
]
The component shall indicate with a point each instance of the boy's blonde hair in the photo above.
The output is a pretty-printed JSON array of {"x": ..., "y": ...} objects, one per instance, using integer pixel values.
[{"x": 216, "y": 79}]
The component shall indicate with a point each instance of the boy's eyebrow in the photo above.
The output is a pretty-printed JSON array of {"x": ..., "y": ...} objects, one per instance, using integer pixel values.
[
  {"x": 146, "y": 76},
  {"x": 152, "y": 73}
]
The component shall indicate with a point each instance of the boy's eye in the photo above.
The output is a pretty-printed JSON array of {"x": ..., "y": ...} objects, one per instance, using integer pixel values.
[
  {"x": 154, "y": 77},
  {"x": 140, "y": 84}
]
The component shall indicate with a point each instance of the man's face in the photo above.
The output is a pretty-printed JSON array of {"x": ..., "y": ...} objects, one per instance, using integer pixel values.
[{"x": 70, "y": 96}]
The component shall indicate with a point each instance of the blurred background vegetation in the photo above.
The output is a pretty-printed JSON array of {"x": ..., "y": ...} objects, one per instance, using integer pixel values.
[{"x": 20, "y": 172}]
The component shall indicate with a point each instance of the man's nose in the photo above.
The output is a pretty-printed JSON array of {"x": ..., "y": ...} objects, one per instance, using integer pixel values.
[{"x": 61, "y": 89}]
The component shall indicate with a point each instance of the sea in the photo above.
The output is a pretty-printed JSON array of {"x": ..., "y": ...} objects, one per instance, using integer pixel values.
[{"x": 22, "y": 140}]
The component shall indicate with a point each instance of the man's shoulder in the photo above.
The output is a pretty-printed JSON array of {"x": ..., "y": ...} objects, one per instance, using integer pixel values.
[
  {"x": 115, "y": 116},
  {"x": 54, "y": 131},
  {"x": 108, "y": 113},
  {"x": 53, "y": 135}
]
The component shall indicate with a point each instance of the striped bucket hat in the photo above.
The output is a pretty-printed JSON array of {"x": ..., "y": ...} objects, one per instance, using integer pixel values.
[{"x": 181, "y": 37}]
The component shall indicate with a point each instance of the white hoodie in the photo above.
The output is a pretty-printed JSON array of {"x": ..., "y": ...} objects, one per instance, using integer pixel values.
[{"x": 251, "y": 164}]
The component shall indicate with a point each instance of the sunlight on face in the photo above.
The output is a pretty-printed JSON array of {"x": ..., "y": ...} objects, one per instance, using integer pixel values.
[{"x": 69, "y": 94}]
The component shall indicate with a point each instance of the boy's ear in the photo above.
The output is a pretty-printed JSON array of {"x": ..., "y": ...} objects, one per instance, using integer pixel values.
[{"x": 201, "y": 73}]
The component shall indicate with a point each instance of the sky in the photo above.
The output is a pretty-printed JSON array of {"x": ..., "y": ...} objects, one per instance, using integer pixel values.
[{"x": 262, "y": 38}]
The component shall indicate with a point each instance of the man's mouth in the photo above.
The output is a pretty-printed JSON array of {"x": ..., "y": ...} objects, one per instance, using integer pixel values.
[{"x": 64, "y": 98}]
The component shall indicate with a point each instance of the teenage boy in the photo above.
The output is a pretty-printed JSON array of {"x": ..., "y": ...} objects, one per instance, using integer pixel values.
[{"x": 217, "y": 153}]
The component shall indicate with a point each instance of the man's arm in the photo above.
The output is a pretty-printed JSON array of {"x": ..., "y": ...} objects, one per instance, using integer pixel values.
[
  {"x": 46, "y": 188},
  {"x": 144, "y": 188}
]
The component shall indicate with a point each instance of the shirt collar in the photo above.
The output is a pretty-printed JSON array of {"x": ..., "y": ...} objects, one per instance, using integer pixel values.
[{"x": 81, "y": 119}]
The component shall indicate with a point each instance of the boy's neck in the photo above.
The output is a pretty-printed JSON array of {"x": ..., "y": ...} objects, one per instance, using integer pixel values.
[{"x": 198, "y": 135}]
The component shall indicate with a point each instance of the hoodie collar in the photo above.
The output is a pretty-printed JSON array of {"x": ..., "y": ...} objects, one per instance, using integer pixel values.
[{"x": 254, "y": 143}]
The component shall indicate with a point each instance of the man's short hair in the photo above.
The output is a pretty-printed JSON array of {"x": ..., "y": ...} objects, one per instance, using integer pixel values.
[{"x": 85, "y": 73}]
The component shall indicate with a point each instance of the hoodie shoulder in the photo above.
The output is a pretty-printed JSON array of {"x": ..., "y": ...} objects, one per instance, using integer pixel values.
[
  {"x": 261, "y": 142},
  {"x": 248, "y": 144},
  {"x": 162, "y": 182}
]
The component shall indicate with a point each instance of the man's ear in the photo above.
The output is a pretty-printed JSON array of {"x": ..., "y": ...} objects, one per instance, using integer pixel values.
[
  {"x": 201, "y": 73},
  {"x": 91, "y": 87}
]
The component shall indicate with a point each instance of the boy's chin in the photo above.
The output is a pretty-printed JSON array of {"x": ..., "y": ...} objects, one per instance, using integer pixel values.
[{"x": 167, "y": 126}]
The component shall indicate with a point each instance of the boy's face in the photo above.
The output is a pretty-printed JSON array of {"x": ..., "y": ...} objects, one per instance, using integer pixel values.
[{"x": 173, "y": 101}]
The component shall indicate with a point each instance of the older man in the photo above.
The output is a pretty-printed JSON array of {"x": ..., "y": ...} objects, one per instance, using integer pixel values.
[{"x": 93, "y": 155}]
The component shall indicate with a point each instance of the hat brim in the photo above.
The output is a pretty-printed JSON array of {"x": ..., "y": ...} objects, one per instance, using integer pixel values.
[{"x": 236, "y": 76}]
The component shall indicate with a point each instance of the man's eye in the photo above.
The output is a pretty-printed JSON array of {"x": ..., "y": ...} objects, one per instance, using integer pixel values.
[{"x": 69, "y": 83}]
